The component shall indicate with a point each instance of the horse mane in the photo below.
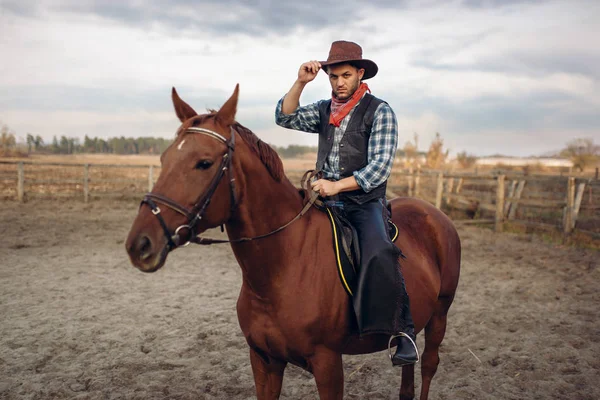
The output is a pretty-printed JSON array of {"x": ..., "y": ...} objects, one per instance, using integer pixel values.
[{"x": 265, "y": 153}]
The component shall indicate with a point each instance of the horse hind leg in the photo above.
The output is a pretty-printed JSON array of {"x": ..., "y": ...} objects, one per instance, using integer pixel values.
[{"x": 434, "y": 334}]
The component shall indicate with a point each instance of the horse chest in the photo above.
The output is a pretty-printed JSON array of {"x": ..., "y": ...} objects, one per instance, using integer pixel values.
[{"x": 272, "y": 333}]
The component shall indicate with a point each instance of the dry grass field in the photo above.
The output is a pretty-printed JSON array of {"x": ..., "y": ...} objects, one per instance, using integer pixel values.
[{"x": 305, "y": 162}]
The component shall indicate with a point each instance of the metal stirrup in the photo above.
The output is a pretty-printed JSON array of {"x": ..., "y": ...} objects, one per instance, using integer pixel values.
[{"x": 409, "y": 338}]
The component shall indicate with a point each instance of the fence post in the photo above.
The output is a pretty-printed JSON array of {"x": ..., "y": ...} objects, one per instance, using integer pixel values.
[
  {"x": 459, "y": 185},
  {"x": 577, "y": 205},
  {"x": 509, "y": 198},
  {"x": 568, "y": 225},
  {"x": 513, "y": 207},
  {"x": 417, "y": 181},
  {"x": 20, "y": 182},
  {"x": 150, "y": 177},
  {"x": 86, "y": 179},
  {"x": 411, "y": 181},
  {"x": 500, "y": 204},
  {"x": 449, "y": 190},
  {"x": 440, "y": 190}
]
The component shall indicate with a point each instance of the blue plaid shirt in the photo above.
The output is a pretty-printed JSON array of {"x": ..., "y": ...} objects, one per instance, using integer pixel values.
[{"x": 383, "y": 141}]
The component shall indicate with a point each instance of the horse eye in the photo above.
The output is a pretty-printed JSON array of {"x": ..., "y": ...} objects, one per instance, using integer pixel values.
[{"x": 203, "y": 164}]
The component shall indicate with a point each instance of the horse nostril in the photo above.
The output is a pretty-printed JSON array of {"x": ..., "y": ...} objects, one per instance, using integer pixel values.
[{"x": 144, "y": 246}]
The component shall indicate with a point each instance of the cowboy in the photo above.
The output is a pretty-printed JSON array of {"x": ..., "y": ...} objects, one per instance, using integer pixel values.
[{"x": 358, "y": 136}]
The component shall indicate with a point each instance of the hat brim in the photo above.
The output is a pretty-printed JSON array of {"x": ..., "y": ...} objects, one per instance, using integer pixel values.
[{"x": 369, "y": 66}]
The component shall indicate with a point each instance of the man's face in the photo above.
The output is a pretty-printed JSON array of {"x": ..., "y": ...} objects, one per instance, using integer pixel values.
[{"x": 344, "y": 79}]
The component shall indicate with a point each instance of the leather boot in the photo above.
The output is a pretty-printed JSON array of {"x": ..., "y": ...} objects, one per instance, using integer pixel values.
[{"x": 406, "y": 351}]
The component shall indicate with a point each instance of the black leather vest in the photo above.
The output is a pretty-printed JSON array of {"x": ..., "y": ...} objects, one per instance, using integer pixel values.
[{"x": 353, "y": 146}]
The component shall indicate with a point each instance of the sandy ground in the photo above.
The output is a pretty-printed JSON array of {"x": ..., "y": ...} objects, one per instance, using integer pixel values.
[{"x": 78, "y": 322}]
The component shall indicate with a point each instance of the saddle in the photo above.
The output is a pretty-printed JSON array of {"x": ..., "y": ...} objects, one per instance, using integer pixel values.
[{"x": 345, "y": 238}]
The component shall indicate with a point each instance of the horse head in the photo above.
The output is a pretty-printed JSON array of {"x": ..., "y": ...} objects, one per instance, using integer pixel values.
[{"x": 195, "y": 190}]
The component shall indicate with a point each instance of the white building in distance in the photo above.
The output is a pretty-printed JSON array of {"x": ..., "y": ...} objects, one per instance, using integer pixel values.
[{"x": 522, "y": 162}]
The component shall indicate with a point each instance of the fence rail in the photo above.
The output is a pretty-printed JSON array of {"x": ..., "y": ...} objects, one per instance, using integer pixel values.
[
  {"x": 564, "y": 199},
  {"x": 86, "y": 185},
  {"x": 487, "y": 198}
]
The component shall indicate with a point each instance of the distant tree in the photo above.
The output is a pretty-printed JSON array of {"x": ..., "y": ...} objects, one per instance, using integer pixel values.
[
  {"x": 55, "y": 148},
  {"x": 74, "y": 146},
  {"x": 88, "y": 145},
  {"x": 30, "y": 142},
  {"x": 466, "y": 160},
  {"x": 116, "y": 145},
  {"x": 411, "y": 151},
  {"x": 436, "y": 157},
  {"x": 7, "y": 139},
  {"x": 132, "y": 146},
  {"x": 102, "y": 146},
  {"x": 64, "y": 146},
  {"x": 582, "y": 152},
  {"x": 38, "y": 142}
]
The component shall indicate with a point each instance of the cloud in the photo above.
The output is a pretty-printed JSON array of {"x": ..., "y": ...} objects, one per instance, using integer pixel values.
[
  {"x": 75, "y": 98},
  {"x": 468, "y": 69},
  {"x": 221, "y": 18},
  {"x": 93, "y": 123},
  {"x": 500, "y": 3}
]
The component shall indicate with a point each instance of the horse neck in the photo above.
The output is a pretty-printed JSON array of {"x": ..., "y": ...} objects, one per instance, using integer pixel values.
[{"x": 264, "y": 206}]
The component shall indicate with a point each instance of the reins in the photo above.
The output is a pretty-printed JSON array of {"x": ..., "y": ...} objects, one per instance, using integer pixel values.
[{"x": 307, "y": 206}]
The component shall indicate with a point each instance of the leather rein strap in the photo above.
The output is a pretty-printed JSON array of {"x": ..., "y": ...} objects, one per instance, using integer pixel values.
[
  {"x": 307, "y": 206},
  {"x": 197, "y": 212}
]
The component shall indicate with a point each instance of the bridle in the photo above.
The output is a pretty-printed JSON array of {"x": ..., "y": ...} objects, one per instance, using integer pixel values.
[{"x": 197, "y": 212}]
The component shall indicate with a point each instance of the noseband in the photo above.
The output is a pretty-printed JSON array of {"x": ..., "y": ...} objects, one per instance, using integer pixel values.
[{"x": 197, "y": 212}]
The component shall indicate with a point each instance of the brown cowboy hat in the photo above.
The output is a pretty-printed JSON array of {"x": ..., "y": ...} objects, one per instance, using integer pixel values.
[{"x": 349, "y": 52}]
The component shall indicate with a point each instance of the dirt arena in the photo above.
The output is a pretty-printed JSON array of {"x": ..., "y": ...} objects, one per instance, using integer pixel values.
[{"x": 78, "y": 322}]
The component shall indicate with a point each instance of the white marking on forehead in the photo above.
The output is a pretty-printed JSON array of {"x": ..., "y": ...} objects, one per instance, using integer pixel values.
[{"x": 181, "y": 144}]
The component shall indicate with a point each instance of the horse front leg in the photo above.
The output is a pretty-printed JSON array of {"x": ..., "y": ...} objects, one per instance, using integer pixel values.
[
  {"x": 407, "y": 388},
  {"x": 268, "y": 375},
  {"x": 328, "y": 371}
]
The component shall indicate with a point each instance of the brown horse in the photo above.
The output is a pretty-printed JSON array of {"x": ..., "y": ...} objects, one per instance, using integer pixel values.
[{"x": 292, "y": 307}]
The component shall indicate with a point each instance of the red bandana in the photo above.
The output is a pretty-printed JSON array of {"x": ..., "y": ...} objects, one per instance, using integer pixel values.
[{"x": 341, "y": 108}]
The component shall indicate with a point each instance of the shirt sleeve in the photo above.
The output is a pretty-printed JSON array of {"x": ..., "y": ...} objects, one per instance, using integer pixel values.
[
  {"x": 304, "y": 118},
  {"x": 383, "y": 143}
]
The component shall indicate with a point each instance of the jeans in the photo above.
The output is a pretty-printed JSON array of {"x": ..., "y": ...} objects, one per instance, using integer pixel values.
[{"x": 380, "y": 302}]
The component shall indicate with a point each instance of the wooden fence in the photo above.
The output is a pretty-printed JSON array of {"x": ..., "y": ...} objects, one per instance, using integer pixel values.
[
  {"x": 542, "y": 201},
  {"x": 31, "y": 180},
  {"x": 557, "y": 202}
]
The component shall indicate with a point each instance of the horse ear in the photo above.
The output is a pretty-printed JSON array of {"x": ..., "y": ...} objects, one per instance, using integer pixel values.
[
  {"x": 226, "y": 114},
  {"x": 182, "y": 109}
]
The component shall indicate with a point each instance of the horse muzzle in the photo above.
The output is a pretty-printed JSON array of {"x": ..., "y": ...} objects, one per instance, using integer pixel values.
[{"x": 145, "y": 253}]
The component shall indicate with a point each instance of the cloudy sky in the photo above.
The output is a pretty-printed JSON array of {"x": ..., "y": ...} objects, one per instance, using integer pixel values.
[{"x": 514, "y": 77}]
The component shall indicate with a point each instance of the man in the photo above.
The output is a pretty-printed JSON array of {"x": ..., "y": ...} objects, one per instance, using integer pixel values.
[{"x": 358, "y": 136}]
